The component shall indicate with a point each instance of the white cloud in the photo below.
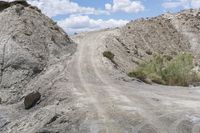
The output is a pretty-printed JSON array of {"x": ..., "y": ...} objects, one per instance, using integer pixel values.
[
  {"x": 78, "y": 20},
  {"x": 181, "y": 3},
  {"x": 195, "y": 3},
  {"x": 128, "y": 6},
  {"x": 78, "y": 23},
  {"x": 63, "y": 7},
  {"x": 108, "y": 6}
]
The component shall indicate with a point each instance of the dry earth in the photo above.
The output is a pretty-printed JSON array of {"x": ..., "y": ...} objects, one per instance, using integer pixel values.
[
  {"x": 124, "y": 105},
  {"x": 86, "y": 93}
]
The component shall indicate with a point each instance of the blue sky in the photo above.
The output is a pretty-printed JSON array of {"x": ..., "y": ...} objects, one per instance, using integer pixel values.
[
  {"x": 86, "y": 15},
  {"x": 152, "y": 9}
]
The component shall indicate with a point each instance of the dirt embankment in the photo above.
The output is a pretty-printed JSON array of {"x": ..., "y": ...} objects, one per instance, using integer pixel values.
[
  {"x": 168, "y": 34},
  {"x": 84, "y": 92}
]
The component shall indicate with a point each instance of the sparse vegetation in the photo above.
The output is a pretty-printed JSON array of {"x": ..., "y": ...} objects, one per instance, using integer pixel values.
[
  {"x": 167, "y": 70},
  {"x": 110, "y": 56}
]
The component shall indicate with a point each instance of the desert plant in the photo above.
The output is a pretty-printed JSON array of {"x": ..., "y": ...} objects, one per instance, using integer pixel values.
[
  {"x": 110, "y": 56},
  {"x": 162, "y": 70},
  {"x": 178, "y": 70}
]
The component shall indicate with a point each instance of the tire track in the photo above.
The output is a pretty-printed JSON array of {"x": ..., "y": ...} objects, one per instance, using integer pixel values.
[{"x": 128, "y": 107}]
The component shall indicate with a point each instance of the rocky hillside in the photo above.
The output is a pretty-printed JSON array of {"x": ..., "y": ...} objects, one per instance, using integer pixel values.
[
  {"x": 32, "y": 53},
  {"x": 29, "y": 42},
  {"x": 46, "y": 88},
  {"x": 167, "y": 34}
]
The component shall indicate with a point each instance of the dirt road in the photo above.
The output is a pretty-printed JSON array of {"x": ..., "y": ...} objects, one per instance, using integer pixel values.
[{"x": 117, "y": 104}]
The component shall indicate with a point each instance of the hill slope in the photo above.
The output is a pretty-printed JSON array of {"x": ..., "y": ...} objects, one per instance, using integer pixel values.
[
  {"x": 33, "y": 53},
  {"x": 168, "y": 34},
  {"x": 85, "y": 92},
  {"x": 29, "y": 43}
]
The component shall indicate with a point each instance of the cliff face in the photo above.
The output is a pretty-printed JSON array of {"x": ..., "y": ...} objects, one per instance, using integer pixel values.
[
  {"x": 167, "y": 34},
  {"x": 29, "y": 43}
]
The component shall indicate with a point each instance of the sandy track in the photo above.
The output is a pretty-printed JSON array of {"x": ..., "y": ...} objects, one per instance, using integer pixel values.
[{"x": 122, "y": 107}]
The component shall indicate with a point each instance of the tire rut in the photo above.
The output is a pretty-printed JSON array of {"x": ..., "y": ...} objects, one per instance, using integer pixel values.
[{"x": 126, "y": 107}]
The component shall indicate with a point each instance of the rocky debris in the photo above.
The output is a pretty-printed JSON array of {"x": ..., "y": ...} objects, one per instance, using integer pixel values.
[
  {"x": 31, "y": 99},
  {"x": 3, "y": 121},
  {"x": 166, "y": 34},
  {"x": 195, "y": 84},
  {"x": 34, "y": 53},
  {"x": 0, "y": 100},
  {"x": 187, "y": 23},
  {"x": 29, "y": 43},
  {"x": 54, "y": 118}
]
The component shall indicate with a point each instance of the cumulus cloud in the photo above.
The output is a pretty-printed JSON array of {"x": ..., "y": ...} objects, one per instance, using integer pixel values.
[
  {"x": 63, "y": 7},
  {"x": 181, "y": 3},
  {"x": 78, "y": 20},
  {"x": 128, "y": 6},
  {"x": 79, "y": 23}
]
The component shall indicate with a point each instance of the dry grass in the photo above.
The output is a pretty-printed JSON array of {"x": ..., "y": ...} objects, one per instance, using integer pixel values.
[
  {"x": 110, "y": 56},
  {"x": 168, "y": 71}
]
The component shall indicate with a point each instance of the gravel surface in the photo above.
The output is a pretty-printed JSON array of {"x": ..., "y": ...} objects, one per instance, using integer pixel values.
[{"x": 83, "y": 92}]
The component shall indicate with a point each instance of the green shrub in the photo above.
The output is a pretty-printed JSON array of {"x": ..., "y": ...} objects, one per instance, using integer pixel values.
[
  {"x": 108, "y": 55},
  {"x": 168, "y": 71},
  {"x": 178, "y": 70},
  {"x": 156, "y": 78}
]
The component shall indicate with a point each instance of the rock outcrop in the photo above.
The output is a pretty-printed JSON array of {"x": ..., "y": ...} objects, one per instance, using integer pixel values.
[
  {"x": 34, "y": 52},
  {"x": 35, "y": 55},
  {"x": 167, "y": 34},
  {"x": 29, "y": 43}
]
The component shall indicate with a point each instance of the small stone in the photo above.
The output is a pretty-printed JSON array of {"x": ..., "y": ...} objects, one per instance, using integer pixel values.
[
  {"x": 31, "y": 99},
  {"x": 156, "y": 99},
  {"x": 0, "y": 100},
  {"x": 149, "y": 52}
]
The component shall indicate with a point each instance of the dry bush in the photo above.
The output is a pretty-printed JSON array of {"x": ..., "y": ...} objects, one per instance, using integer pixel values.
[{"x": 168, "y": 71}]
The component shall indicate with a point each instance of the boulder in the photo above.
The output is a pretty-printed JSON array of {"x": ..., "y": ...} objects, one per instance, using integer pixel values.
[{"x": 31, "y": 99}]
